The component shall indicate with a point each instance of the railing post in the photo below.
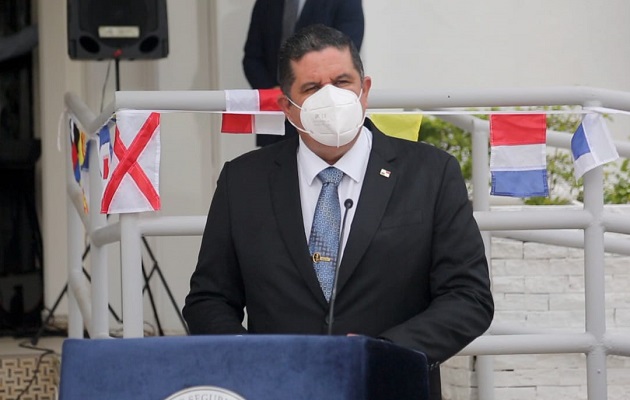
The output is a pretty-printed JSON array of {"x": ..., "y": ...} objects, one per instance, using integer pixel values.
[
  {"x": 594, "y": 284},
  {"x": 481, "y": 202},
  {"x": 98, "y": 254},
  {"x": 131, "y": 261},
  {"x": 75, "y": 240}
]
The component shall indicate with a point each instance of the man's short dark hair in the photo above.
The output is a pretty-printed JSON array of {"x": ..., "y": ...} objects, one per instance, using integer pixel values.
[{"x": 312, "y": 38}]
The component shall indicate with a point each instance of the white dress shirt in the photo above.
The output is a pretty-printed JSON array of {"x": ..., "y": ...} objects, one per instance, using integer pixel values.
[{"x": 353, "y": 164}]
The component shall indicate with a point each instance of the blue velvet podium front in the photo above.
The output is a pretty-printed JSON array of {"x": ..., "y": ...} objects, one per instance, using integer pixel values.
[{"x": 256, "y": 367}]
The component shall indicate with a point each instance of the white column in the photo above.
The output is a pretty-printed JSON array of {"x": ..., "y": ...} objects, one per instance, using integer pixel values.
[
  {"x": 132, "y": 280},
  {"x": 594, "y": 285},
  {"x": 98, "y": 254}
]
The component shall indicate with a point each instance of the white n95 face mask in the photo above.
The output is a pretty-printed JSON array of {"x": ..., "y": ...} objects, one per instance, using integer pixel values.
[{"x": 332, "y": 116}]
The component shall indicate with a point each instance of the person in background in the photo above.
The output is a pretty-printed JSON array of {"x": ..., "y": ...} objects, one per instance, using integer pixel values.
[
  {"x": 272, "y": 21},
  {"x": 412, "y": 265}
]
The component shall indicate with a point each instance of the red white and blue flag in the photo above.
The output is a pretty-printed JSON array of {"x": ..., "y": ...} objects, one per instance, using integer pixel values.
[
  {"x": 105, "y": 150},
  {"x": 518, "y": 162},
  {"x": 253, "y": 111}
]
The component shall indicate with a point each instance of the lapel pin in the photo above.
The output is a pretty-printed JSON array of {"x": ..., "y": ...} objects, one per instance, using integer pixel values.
[{"x": 385, "y": 173}]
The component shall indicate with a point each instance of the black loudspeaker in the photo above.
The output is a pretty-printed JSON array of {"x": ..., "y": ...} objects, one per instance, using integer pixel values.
[{"x": 118, "y": 29}]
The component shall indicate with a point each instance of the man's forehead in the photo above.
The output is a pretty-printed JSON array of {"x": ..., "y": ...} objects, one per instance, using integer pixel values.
[{"x": 326, "y": 63}]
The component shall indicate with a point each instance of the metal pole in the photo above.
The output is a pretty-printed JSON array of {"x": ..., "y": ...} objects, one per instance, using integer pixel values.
[
  {"x": 75, "y": 241},
  {"x": 565, "y": 238},
  {"x": 481, "y": 202},
  {"x": 131, "y": 261},
  {"x": 618, "y": 344},
  {"x": 530, "y": 219},
  {"x": 549, "y": 343},
  {"x": 432, "y": 99},
  {"x": 98, "y": 254},
  {"x": 594, "y": 285}
]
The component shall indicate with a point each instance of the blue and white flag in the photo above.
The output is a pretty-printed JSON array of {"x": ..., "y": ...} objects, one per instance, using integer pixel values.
[{"x": 592, "y": 145}]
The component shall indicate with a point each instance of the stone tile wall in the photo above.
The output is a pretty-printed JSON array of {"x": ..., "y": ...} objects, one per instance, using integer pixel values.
[{"x": 542, "y": 286}]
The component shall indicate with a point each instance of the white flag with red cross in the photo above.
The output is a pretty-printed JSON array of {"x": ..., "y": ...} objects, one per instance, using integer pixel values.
[
  {"x": 133, "y": 184},
  {"x": 253, "y": 111}
]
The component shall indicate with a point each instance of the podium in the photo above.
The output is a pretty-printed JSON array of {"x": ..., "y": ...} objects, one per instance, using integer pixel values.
[{"x": 251, "y": 367}]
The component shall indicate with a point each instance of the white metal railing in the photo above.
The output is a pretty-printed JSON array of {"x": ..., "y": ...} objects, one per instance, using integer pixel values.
[{"x": 595, "y": 341}]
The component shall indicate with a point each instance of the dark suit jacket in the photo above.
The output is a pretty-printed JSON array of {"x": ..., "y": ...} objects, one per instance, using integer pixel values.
[
  {"x": 413, "y": 271},
  {"x": 265, "y": 30}
]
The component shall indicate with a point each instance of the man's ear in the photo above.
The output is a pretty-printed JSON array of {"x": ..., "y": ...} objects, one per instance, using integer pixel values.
[
  {"x": 284, "y": 103},
  {"x": 367, "y": 85}
]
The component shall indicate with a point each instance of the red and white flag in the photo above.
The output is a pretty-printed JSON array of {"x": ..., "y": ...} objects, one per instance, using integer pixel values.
[
  {"x": 253, "y": 111},
  {"x": 133, "y": 185}
]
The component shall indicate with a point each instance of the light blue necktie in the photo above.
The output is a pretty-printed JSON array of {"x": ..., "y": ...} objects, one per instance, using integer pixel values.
[{"x": 324, "y": 240}]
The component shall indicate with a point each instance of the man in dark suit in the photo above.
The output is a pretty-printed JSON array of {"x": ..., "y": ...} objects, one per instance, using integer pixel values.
[
  {"x": 265, "y": 36},
  {"x": 413, "y": 269}
]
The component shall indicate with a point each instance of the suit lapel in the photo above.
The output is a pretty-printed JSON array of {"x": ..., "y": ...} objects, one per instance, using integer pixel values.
[
  {"x": 285, "y": 196},
  {"x": 375, "y": 195}
]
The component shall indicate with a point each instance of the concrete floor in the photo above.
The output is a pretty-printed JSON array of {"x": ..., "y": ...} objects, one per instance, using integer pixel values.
[{"x": 11, "y": 346}]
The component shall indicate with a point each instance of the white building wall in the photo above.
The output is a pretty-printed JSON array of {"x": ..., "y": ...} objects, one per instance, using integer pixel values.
[{"x": 498, "y": 43}]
